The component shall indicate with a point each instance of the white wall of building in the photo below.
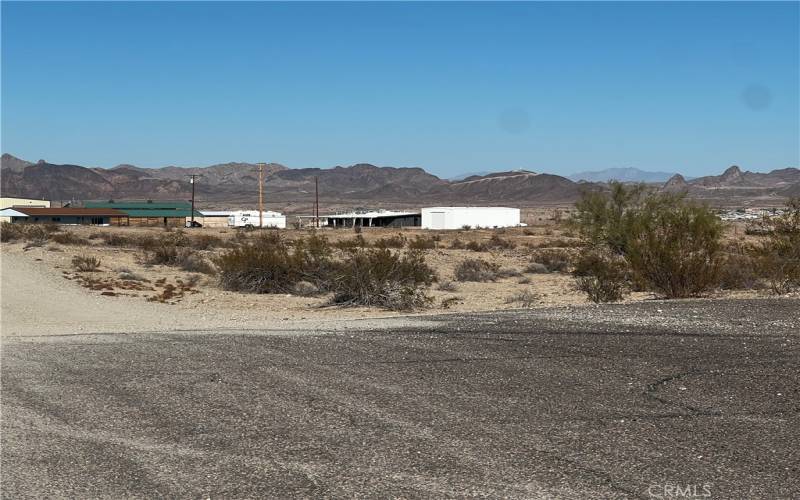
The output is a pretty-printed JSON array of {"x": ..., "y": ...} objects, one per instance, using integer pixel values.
[
  {"x": 242, "y": 218},
  {"x": 458, "y": 217}
]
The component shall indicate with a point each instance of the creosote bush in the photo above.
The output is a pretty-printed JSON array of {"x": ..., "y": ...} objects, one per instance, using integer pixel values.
[
  {"x": 671, "y": 245},
  {"x": 477, "y": 246},
  {"x": 422, "y": 243},
  {"x": 602, "y": 276},
  {"x": 398, "y": 241},
  {"x": 381, "y": 278},
  {"x": 477, "y": 270},
  {"x": 553, "y": 260},
  {"x": 778, "y": 256}
]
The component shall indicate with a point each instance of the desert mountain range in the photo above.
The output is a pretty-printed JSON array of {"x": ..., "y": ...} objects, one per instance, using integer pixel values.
[{"x": 235, "y": 184}]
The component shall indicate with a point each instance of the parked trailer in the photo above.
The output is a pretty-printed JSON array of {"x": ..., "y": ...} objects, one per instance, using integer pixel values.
[{"x": 244, "y": 218}]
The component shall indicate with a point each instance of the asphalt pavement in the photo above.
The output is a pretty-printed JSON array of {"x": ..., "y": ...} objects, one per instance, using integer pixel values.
[{"x": 681, "y": 399}]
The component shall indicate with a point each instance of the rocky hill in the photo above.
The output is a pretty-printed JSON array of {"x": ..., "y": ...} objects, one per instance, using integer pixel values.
[{"x": 232, "y": 185}]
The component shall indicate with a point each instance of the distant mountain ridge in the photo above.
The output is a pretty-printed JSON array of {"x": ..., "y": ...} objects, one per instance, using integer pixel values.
[
  {"x": 236, "y": 185},
  {"x": 628, "y": 174}
]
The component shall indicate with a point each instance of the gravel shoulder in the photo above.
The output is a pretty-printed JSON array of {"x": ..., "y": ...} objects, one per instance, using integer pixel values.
[{"x": 602, "y": 402}]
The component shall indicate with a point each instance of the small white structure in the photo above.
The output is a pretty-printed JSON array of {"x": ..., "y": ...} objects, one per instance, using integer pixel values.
[
  {"x": 458, "y": 217},
  {"x": 11, "y": 215},
  {"x": 244, "y": 218}
]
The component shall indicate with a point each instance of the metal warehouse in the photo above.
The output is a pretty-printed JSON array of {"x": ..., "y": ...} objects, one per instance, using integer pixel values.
[{"x": 458, "y": 217}]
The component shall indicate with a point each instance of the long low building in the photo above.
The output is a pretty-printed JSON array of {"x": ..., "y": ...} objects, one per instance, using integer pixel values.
[
  {"x": 67, "y": 215},
  {"x": 147, "y": 213},
  {"x": 476, "y": 217},
  {"x": 378, "y": 218}
]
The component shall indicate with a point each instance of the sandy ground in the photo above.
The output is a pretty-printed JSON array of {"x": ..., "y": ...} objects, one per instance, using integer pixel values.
[{"x": 41, "y": 294}]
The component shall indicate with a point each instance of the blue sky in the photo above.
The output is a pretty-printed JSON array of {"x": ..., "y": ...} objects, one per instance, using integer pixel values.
[{"x": 450, "y": 87}]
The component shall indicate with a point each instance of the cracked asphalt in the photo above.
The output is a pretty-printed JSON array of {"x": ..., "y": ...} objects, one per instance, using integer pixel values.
[{"x": 618, "y": 401}]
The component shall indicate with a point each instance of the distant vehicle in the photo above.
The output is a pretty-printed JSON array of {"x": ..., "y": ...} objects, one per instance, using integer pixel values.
[
  {"x": 193, "y": 223},
  {"x": 250, "y": 219}
]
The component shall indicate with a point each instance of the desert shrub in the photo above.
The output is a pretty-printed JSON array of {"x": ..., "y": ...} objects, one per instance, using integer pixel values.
[
  {"x": 114, "y": 239},
  {"x": 500, "y": 243},
  {"x": 477, "y": 246},
  {"x": 50, "y": 227},
  {"x": 524, "y": 280},
  {"x": 675, "y": 248},
  {"x": 466, "y": 227},
  {"x": 422, "y": 243},
  {"x": 738, "y": 269},
  {"x": 536, "y": 268},
  {"x": 672, "y": 245},
  {"x": 10, "y": 232},
  {"x": 447, "y": 286},
  {"x": 165, "y": 255},
  {"x": 205, "y": 242},
  {"x": 476, "y": 270},
  {"x": 398, "y": 241},
  {"x": 269, "y": 265},
  {"x": 602, "y": 276},
  {"x": 356, "y": 242},
  {"x": 194, "y": 263},
  {"x": 305, "y": 289},
  {"x": 554, "y": 260},
  {"x": 507, "y": 272},
  {"x": 85, "y": 264},
  {"x": 68, "y": 238},
  {"x": 778, "y": 257},
  {"x": 525, "y": 298},
  {"x": 457, "y": 244},
  {"x": 380, "y": 278},
  {"x": 528, "y": 232},
  {"x": 357, "y": 229}
]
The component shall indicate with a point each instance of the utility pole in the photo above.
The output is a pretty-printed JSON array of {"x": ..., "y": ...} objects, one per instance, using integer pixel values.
[
  {"x": 191, "y": 181},
  {"x": 260, "y": 195},
  {"x": 316, "y": 202}
]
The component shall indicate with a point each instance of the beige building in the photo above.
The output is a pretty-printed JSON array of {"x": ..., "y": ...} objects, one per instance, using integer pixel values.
[{"x": 23, "y": 202}]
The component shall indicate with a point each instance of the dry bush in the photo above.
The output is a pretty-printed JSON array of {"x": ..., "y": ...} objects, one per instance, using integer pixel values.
[
  {"x": 85, "y": 264},
  {"x": 114, "y": 239},
  {"x": 497, "y": 242},
  {"x": 205, "y": 242},
  {"x": 194, "y": 263},
  {"x": 526, "y": 298},
  {"x": 398, "y": 241},
  {"x": 270, "y": 265},
  {"x": 778, "y": 257},
  {"x": 477, "y": 246},
  {"x": 554, "y": 260},
  {"x": 672, "y": 245},
  {"x": 422, "y": 243},
  {"x": 349, "y": 244},
  {"x": 305, "y": 289},
  {"x": 738, "y": 269},
  {"x": 602, "y": 276},
  {"x": 507, "y": 272},
  {"x": 476, "y": 270},
  {"x": 536, "y": 268},
  {"x": 447, "y": 286},
  {"x": 457, "y": 244},
  {"x": 380, "y": 278},
  {"x": 69, "y": 238},
  {"x": 35, "y": 234},
  {"x": 10, "y": 232}
]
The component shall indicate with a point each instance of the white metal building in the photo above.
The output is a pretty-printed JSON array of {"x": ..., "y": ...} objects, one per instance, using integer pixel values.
[
  {"x": 458, "y": 217},
  {"x": 246, "y": 218}
]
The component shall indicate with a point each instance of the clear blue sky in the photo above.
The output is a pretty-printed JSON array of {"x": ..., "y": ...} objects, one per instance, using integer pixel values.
[{"x": 450, "y": 87}]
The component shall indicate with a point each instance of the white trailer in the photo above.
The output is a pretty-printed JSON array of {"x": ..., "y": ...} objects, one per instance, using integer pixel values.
[
  {"x": 458, "y": 217},
  {"x": 244, "y": 218}
]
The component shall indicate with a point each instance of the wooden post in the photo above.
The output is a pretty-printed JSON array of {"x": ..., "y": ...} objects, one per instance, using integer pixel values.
[{"x": 261, "y": 196}]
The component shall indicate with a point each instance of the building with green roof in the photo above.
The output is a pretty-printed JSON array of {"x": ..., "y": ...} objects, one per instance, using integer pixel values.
[{"x": 147, "y": 213}]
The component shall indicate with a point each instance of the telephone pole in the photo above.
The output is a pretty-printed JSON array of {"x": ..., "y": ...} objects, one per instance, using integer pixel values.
[
  {"x": 191, "y": 181},
  {"x": 260, "y": 195},
  {"x": 316, "y": 202}
]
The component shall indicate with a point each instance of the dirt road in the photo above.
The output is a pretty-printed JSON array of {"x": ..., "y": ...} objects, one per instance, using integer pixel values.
[{"x": 617, "y": 401}]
